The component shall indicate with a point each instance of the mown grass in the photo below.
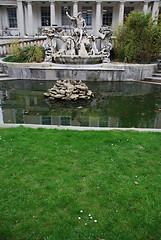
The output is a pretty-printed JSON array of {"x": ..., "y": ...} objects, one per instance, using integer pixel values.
[{"x": 48, "y": 176}]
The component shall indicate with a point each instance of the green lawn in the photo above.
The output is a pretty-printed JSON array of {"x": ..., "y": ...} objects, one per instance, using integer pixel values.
[{"x": 49, "y": 176}]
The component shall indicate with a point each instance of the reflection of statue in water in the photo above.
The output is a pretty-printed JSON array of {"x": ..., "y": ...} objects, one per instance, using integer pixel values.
[{"x": 79, "y": 25}]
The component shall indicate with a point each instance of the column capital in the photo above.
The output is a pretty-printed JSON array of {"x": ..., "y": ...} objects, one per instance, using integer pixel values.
[
  {"x": 75, "y": 1},
  {"x": 52, "y": 1},
  {"x": 99, "y": 1},
  {"x": 122, "y": 1}
]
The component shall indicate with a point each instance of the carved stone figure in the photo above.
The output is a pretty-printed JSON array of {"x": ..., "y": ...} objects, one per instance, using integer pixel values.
[
  {"x": 80, "y": 44},
  {"x": 79, "y": 25},
  {"x": 105, "y": 34}
]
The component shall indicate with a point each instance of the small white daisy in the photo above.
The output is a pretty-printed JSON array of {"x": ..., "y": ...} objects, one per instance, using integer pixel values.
[
  {"x": 81, "y": 211},
  {"x": 89, "y": 215},
  {"x": 79, "y": 218},
  {"x": 85, "y": 224},
  {"x": 95, "y": 221}
]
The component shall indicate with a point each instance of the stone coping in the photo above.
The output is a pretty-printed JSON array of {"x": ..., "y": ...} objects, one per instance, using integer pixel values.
[
  {"x": 113, "y": 71},
  {"x": 95, "y": 67},
  {"x": 57, "y": 65},
  {"x": 35, "y": 126}
]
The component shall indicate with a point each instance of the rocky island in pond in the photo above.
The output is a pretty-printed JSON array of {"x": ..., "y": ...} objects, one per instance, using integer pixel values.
[{"x": 69, "y": 90}]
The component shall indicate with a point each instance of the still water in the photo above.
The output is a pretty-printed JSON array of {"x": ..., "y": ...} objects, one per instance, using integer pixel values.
[{"x": 115, "y": 104}]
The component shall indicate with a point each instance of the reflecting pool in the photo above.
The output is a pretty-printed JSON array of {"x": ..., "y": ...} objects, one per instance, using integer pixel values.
[{"x": 115, "y": 104}]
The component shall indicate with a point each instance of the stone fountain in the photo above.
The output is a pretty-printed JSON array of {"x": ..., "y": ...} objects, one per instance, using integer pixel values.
[{"x": 79, "y": 47}]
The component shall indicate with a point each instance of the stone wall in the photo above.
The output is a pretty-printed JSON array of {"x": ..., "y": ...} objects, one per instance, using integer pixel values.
[{"x": 98, "y": 72}]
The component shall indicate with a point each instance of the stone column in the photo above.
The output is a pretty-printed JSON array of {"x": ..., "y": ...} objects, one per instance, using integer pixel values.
[
  {"x": 20, "y": 18},
  {"x": 52, "y": 13},
  {"x": 155, "y": 10},
  {"x": 145, "y": 7},
  {"x": 30, "y": 19},
  {"x": 75, "y": 8},
  {"x": 98, "y": 18},
  {"x": 121, "y": 13}
]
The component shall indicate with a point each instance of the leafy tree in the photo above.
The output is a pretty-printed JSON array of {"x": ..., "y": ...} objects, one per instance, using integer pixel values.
[{"x": 139, "y": 39}]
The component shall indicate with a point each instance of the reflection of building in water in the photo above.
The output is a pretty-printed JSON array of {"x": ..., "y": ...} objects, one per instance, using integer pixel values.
[
  {"x": 28, "y": 106},
  {"x": 1, "y": 112},
  {"x": 158, "y": 120},
  {"x": 31, "y": 101},
  {"x": 82, "y": 121},
  {"x": 19, "y": 116}
]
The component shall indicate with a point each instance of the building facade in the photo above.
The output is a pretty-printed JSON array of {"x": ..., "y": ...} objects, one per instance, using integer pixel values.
[{"x": 28, "y": 17}]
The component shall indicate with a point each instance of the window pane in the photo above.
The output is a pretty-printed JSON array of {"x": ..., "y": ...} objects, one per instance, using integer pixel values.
[
  {"x": 87, "y": 15},
  {"x": 45, "y": 16},
  {"x": 107, "y": 16},
  {"x": 64, "y": 18},
  {"x": 12, "y": 17}
]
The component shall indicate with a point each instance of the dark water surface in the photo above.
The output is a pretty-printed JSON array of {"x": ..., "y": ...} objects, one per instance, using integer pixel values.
[{"x": 115, "y": 104}]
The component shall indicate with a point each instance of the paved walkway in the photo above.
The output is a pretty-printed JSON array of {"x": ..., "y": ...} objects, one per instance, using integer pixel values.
[{"x": 79, "y": 128}]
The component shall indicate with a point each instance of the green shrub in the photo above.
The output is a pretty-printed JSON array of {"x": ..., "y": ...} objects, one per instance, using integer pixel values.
[
  {"x": 26, "y": 54},
  {"x": 16, "y": 50},
  {"x": 39, "y": 54},
  {"x": 139, "y": 39}
]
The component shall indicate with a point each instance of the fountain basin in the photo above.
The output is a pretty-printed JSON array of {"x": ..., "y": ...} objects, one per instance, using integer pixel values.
[
  {"x": 84, "y": 72},
  {"x": 68, "y": 59}
]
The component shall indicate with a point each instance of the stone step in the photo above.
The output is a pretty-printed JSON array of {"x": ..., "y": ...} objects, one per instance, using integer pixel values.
[
  {"x": 1, "y": 71},
  {"x": 157, "y": 74},
  {"x": 7, "y": 79},
  {"x": 159, "y": 71},
  {"x": 2, "y": 75},
  {"x": 153, "y": 79}
]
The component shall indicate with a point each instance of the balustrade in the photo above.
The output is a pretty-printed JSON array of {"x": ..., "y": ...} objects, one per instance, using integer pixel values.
[{"x": 7, "y": 49}]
